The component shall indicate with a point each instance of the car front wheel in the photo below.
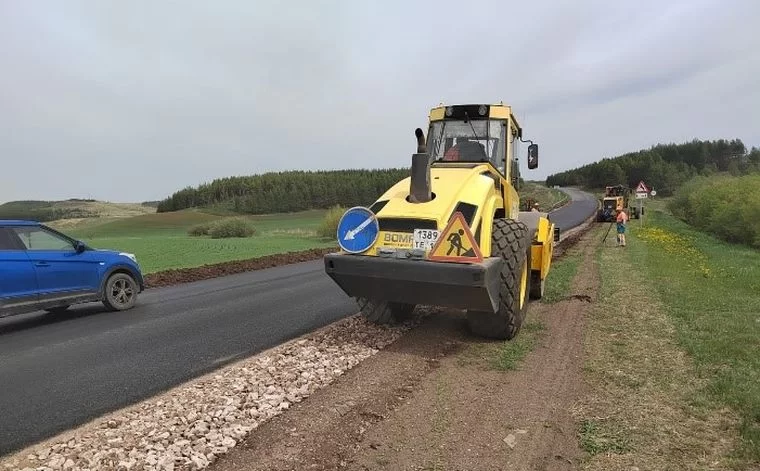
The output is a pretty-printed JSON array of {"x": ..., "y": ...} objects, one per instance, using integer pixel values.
[{"x": 120, "y": 292}]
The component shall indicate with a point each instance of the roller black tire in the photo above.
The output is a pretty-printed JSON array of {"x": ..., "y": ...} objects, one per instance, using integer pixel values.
[
  {"x": 384, "y": 312},
  {"x": 511, "y": 242},
  {"x": 57, "y": 309},
  {"x": 120, "y": 292}
]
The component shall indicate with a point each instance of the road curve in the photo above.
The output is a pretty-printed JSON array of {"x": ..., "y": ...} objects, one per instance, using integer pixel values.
[
  {"x": 61, "y": 371},
  {"x": 581, "y": 207}
]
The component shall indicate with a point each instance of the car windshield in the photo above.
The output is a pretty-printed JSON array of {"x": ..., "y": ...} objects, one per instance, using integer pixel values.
[{"x": 471, "y": 141}]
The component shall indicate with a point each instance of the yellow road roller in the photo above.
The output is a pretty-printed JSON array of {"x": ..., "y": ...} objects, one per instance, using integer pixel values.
[{"x": 452, "y": 233}]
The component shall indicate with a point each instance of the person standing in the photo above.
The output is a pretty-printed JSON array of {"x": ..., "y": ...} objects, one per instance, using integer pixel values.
[{"x": 621, "y": 220}]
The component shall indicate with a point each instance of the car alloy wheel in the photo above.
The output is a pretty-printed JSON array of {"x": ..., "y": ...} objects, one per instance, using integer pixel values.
[{"x": 120, "y": 292}]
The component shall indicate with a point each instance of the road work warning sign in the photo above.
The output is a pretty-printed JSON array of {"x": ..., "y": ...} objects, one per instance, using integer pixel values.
[{"x": 456, "y": 243}]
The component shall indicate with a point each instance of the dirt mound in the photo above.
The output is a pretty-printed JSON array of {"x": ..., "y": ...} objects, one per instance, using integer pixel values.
[{"x": 205, "y": 272}]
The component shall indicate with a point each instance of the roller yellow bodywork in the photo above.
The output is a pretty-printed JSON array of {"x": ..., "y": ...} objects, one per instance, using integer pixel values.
[
  {"x": 542, "y": 248},
  {"x": 392, "y": 270},
  {"x": 454, "y": 183},
  {"x": 451, "y": 187}
]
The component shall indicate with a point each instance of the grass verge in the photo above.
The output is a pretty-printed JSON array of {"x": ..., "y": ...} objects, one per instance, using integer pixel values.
[
  {"x": 710, "y": 291},
  {"x": 649, "y": 345},
  {"x": 598, "y": 438},
  {"x": 547, "y": 198},
  {"x": 561, "y": 275},
  {"x": 506, "y": 355}
]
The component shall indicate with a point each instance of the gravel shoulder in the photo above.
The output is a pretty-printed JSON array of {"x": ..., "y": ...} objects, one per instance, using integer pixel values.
[
  {"x": 432, "y": 400},
  {"x": 189, "y": 426}
]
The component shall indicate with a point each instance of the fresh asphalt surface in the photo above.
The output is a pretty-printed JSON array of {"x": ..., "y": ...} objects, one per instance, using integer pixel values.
[
  {"x": 57, "y": 372},
  {"x": 583, "y": 205}
]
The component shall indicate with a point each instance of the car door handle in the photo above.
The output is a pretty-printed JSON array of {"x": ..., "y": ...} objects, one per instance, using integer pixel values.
[{"x": 42, "y": 264}]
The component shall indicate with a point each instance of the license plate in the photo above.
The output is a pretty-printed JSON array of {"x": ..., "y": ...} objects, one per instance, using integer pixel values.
[{"x": 425, "y": 238}]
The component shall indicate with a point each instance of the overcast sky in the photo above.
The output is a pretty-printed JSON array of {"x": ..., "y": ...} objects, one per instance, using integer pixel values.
[{"x": 133, "y": 100}]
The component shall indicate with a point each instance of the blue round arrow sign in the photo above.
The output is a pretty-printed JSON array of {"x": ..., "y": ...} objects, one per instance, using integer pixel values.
[{"x": 357, "y": 230}]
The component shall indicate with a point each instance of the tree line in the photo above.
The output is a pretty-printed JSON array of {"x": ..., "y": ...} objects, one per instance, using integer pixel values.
[
  {"x": 664, "y": 167},
  {"x": 277, "y": 192}
]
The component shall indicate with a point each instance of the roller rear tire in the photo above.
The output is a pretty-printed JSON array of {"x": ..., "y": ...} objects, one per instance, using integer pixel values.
[{"x": 510, "y": 241}]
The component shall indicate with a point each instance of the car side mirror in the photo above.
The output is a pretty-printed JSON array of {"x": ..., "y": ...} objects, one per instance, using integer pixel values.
[
  {"x": 79, "y": 246},
  {"x": 533, "y": 156}
]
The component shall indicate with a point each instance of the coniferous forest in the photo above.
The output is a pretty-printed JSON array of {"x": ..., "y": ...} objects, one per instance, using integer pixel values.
[
  {"x": 664, "y": 167},
  {"x": 278, "y": 192}
]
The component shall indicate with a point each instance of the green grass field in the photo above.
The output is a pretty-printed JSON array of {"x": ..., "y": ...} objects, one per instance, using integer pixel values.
[
  {"x": 709, "y": 290},
  {"x": 160, "y": 240}
]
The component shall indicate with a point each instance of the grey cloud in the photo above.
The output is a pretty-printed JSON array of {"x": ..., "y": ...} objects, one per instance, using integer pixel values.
[{"x": 132, "y": 101}]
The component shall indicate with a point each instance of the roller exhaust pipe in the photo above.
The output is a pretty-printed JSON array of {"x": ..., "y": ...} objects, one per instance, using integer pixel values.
[
  {"x": 419, "y": 191},
  {"x": 421, "y": 149}
]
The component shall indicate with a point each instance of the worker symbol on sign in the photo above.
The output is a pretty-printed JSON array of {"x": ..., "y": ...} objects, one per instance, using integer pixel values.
[{"x": 456, "y": 243}]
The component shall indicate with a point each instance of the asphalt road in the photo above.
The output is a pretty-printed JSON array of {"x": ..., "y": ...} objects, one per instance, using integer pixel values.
[
  {"x": 57, "y": 372},
  {"x": 582, "y": 206}
]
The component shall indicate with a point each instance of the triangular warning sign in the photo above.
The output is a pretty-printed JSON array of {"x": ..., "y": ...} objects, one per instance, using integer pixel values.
[
  {"x": 456, "y": 243},
  {"x": 642, "y": 188}
]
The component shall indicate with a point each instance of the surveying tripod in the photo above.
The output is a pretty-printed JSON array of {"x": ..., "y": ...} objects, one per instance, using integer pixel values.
[{"x": 608, "y": 230}]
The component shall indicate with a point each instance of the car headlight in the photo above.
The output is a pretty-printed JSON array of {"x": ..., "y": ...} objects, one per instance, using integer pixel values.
[{"x": 131, "y": 256}]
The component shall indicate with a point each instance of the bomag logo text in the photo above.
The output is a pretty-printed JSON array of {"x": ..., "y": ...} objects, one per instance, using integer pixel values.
[{"x": 398, "y": 238}]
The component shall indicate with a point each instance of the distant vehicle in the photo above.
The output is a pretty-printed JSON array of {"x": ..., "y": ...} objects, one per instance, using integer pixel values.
[
  {"x": 615, "y": 197},
  {"x": 43, "y": 269}
]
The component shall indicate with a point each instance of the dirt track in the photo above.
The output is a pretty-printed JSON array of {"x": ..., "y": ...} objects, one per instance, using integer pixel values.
[{"x": 430, "y": 401}]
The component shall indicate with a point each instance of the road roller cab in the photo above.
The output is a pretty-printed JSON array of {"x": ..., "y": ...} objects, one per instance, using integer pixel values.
[{"x": 452, "y": 233}]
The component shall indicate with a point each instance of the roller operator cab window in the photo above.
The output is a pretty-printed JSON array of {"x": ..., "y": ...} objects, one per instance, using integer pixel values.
[{"x": 477, "y": 140}]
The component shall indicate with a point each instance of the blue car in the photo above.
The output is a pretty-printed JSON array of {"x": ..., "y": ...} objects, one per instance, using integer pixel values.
[{"x": 43, "y": 269}]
